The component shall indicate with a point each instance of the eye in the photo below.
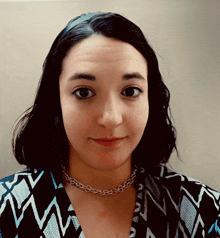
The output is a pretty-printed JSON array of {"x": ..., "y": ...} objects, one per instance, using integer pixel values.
[
  {"x": 132, "y": 92},
  {"x": 83, "y": 93}
]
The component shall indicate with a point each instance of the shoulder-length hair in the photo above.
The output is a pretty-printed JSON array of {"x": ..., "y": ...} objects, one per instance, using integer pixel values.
[{"x": 39, "y": 138}]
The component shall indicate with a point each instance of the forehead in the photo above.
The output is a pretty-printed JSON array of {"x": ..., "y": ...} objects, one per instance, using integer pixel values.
[{"x": 100, "y": 49}]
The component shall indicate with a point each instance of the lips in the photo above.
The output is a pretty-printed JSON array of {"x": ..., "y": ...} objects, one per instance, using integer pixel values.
[{"x": 108, "y": 141}]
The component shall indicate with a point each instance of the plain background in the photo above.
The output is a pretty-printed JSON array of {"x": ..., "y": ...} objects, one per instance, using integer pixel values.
[{"x": 185, "y": 36}]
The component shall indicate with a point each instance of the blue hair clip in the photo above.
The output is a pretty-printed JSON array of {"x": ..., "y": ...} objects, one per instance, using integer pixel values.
[{"x": 80, "y": 19}]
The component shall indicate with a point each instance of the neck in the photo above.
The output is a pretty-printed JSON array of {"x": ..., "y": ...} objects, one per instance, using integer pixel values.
[{"x": 99, "y": 178}]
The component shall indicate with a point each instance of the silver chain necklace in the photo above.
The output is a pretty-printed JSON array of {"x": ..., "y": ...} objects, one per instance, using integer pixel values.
[{"x": 105, "y": 192}]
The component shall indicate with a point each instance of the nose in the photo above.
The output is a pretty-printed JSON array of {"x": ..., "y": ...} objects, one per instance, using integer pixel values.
[{"x": 111, "y": 112}]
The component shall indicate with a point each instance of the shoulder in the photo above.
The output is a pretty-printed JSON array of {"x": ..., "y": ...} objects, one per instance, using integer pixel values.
[
  {"x": 194, "y": 202},
  {"x": 17, "y": 188},
  {"x": 15, "y": 184},
  {"x": 19, "y": 181},
  {"x": 24, "y": 199},
  {"x": 176, "y": 182}
]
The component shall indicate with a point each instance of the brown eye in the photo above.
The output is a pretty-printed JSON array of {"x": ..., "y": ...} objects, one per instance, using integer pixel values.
[
  {"x": 132, "y": 92},
  {"x": 83, "y": 93}
]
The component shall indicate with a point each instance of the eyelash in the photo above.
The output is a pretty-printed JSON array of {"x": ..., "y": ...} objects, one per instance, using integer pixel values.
[{"x": 81, "y": 98}]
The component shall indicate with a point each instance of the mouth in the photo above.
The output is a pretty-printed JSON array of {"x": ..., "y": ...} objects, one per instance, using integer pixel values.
[{"x": 108, "y": 142}]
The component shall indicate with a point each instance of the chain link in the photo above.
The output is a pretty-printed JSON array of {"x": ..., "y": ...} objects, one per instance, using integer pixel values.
[{"x": 105, "y": 192}]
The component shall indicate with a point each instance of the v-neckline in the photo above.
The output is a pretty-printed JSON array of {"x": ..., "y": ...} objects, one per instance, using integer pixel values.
[{"x": 76, "y": 221}]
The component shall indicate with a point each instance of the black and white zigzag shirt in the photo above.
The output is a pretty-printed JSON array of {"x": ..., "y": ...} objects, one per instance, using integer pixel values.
[{"x": 33, "y": 203}]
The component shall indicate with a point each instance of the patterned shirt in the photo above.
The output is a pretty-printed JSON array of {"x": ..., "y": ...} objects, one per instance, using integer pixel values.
[{"x": 34, "y": 203}]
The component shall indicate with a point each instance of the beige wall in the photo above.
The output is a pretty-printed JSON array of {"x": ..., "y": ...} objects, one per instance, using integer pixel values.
[{"x": 185, "y": 36}]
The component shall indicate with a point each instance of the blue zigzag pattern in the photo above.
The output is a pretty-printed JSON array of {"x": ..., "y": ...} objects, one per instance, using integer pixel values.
[{"x": 167, "y": 205}]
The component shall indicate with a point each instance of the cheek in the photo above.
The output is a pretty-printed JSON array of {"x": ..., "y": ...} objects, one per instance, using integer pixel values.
[
  {"x": 138, "y": 120},
  {"x": 78, "y": 123},
  {"x": 73, "y": 119}
]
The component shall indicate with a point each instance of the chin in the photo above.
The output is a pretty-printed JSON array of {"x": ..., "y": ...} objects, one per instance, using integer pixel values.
[{"x": 109, "y": 166}]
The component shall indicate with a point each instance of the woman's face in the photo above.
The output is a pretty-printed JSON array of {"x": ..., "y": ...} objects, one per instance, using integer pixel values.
[{"x": 104, "y": 94}]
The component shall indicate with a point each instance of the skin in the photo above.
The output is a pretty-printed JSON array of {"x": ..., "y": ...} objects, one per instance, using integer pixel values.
[{"x": 107, "y": 111}]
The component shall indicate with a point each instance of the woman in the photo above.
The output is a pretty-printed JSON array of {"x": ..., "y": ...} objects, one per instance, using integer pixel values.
[{"x": 94, "y": 141}]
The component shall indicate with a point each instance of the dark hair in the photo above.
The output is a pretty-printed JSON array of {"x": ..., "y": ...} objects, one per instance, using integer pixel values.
[{"x": 39, "y": 138}]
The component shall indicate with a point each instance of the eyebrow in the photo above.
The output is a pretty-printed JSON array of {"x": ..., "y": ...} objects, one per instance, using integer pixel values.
[{"x": 91, "y": 77}]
